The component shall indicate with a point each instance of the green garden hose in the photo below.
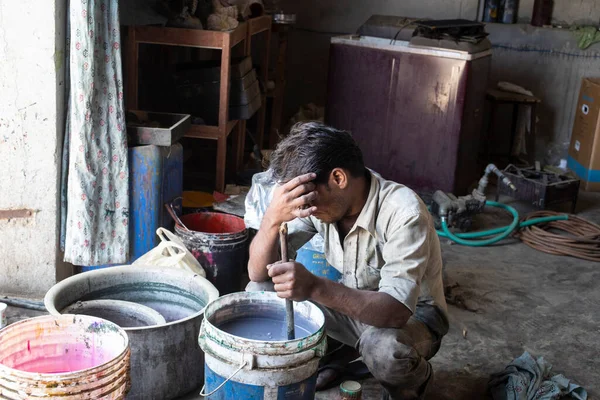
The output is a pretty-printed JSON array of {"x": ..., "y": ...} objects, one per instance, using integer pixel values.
[{"x": 500, "y": 233}]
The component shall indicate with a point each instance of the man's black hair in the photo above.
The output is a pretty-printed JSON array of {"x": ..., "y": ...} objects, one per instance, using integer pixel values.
[{"x": 318, "y": 148}]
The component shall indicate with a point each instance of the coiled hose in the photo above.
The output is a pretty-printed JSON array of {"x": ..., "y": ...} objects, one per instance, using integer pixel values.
[
  {"x": 498, "y": 233},
  {"x": 582, "y": 241}
]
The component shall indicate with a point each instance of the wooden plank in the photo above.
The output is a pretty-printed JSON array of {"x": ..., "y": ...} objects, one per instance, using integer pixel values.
[
  {"x": 239, "y": 144},
  {"x": 259, "y": 24},
  {"x": 224, "y": 88},
  {"x": 237, "y": 35},
  {"x": 22, "y": 213},
  {"x": 509, "y": 97},
  {"x": 208, "y": 131},
  {"x": 197, "y": 133},
  {"x": 223, "y": 112},
  {"x": 180, "y": 37},
  {"x": 132, "y": 69},
  {"x": 277, "y": 110},
  {"x": 262, "y": 112}
]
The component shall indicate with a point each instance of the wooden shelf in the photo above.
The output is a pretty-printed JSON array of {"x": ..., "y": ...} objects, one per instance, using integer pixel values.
[
  {"x": 258, "y": 25},
  {"x": 190, "y": 37},
  {"x": 209, "y": 131},
  {"x": 201, "y": 38},
  {"x": 223, "y": 41}
]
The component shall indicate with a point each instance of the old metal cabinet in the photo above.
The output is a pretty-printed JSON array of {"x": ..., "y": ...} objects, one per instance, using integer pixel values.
[{"x": 415, "y": 112}]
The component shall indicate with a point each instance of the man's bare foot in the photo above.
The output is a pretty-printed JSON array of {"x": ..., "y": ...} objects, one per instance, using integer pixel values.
[
  {"x": 333, "y": 366},
  {"x": 325, "y": 377}
]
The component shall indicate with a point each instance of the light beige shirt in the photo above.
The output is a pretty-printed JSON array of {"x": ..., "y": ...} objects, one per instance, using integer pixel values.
[{"x": 392, "y": 247}]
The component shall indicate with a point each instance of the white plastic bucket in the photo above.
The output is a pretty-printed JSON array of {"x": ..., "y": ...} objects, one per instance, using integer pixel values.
[{"x": 240, "y": 368}]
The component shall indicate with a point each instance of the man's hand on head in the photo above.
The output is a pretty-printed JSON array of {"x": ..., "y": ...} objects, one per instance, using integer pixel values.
[
  {"x": 292, "y": 280},
  {"x": 293, "y": 200}
]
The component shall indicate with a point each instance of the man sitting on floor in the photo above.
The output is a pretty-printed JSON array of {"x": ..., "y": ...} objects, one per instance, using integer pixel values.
[{"x": 390, "y": 307}]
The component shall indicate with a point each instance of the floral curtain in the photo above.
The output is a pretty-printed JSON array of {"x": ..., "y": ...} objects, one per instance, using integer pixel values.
[{"x": 95, "y": 191}]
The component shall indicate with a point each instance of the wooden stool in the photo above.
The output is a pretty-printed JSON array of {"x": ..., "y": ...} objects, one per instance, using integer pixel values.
[{"x": 498, "y": 97}]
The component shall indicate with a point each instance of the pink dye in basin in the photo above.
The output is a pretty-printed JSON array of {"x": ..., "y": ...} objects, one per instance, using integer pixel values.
[{"x": 67, "y": 356}]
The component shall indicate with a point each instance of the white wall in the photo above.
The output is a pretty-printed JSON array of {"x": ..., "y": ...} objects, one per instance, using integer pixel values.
[{"x": 31, "y": 129}]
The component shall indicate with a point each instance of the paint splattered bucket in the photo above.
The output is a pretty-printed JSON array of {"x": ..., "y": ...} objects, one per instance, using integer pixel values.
[
  {"x": 166, "y": 362},
  {"x": 240, "y": 368},
  {"x": 220, "y": 244},
  {"x": 3, "y": 308},
  {"x": 66, "y": 357}
]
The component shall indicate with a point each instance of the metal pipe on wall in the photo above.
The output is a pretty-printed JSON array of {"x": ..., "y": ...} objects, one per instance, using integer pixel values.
[
  {"x": 542, "y": 13},
  {"x": 480, "y": 10}
]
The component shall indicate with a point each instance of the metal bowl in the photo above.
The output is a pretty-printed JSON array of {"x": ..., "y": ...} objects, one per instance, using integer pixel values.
[{"x": 283, "y": 18}]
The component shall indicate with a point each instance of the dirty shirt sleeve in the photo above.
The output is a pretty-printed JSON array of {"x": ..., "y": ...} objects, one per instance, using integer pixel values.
[
  {"x": 406, "y": 253},
  {"x": 300, "y": 231}
]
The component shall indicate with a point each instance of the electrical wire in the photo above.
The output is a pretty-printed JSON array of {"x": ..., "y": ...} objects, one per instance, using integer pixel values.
[
  {"x": 578, "y": 238},
  {"x": 410, "y": 22}
]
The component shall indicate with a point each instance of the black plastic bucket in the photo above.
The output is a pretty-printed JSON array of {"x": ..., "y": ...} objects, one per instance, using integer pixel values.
[{"x": 220, "y": 244}]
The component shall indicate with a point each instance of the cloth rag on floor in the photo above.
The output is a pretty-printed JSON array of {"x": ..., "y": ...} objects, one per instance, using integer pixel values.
[
  {"x": 526, "y": 378},
  {"x": 95, "y": 173}
]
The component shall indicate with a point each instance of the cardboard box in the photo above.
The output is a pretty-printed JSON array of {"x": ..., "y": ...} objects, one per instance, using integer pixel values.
[{"x": 584, "y": 151}]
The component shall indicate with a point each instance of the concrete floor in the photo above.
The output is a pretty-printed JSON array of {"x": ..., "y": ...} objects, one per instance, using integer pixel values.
[{"x": 525, "y": 300}]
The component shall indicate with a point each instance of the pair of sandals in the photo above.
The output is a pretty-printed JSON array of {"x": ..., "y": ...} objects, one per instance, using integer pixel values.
[{"x": 337, "y": 362}]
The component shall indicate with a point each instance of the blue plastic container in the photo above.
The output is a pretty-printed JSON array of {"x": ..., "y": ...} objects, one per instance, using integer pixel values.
[
  {"x": 491, "y": 11},
  {"x": 316, "y": 263},
  {"x": 155, "y": 178},
  {"x": 509, "y": 11}
]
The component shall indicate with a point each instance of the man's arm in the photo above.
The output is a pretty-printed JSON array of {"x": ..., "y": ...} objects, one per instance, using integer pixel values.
[
  {"x": 263, "y": 250},
  {"x": 406, "y": 254},
  {"x": 288, "y": 203},
  {"x": 293, "y": 281}
]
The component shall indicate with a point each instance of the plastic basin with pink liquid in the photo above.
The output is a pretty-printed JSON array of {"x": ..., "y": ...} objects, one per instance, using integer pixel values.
[{"x": 64, "y": 357}]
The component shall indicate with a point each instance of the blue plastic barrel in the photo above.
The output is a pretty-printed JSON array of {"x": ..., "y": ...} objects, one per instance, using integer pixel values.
[
  {"x": 155, "y": 178},
  {"x": 94, "y": 267},
  {"x": 315, "y": 262}
]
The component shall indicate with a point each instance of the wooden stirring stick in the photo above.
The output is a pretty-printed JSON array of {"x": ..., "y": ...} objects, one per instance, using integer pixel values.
[{"x": 289, "y": 305}]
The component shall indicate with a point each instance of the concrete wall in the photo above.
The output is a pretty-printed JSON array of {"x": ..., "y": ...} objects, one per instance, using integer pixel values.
[
  {"x": 32, "y": 43},
  {"x": 546, "y": 61},
  {"x": 566, "y": 11}
]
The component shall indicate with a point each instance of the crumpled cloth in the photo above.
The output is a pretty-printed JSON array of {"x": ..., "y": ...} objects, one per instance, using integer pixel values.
[
  {"x": 586, "y": 36},
  {"x": 526, "y": 378}
]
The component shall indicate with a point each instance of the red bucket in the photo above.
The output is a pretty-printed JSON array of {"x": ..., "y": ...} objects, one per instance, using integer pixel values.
[{"x": 220, "y": 244}]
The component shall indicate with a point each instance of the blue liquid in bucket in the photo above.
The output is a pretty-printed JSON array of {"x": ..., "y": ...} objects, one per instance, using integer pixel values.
[{"x": 267, "y": 329}]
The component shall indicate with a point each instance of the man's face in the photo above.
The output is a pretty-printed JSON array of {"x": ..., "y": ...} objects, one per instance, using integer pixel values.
[{"x": 331, "y": 204}]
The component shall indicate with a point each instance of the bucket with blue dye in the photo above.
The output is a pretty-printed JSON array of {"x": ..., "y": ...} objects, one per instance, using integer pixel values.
[{"x": 248, "y": 355}]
